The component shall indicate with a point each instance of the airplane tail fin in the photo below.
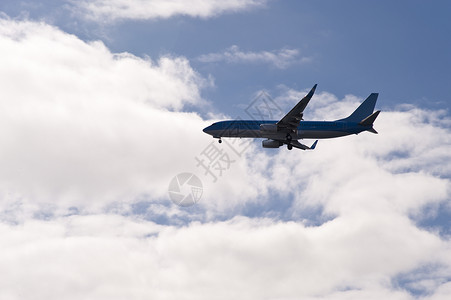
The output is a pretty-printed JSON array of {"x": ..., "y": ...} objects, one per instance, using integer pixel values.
[
  {"x": 364, "y": 114},
  {"x": 364, "y": 110}
]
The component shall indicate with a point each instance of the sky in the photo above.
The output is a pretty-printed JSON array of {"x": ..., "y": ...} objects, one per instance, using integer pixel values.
[{"x": 102, "y": 105}]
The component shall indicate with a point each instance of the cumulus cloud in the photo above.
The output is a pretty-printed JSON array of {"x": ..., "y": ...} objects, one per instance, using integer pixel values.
[
  {"x": 281, "y": 59},
  {"x": 102, "y": 10},
  {"x": 114, "y": 257},
  {"x": 79, "y": 122}
]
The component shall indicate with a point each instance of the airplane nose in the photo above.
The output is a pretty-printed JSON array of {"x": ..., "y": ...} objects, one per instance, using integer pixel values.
[{"x": 210, "y": 129}]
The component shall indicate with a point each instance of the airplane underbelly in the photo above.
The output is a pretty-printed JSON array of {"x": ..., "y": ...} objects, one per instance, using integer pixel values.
[
  {"x": 249, "y": 134},
  {"x": 307, "y": 134},
  {"x": 321, "y": 134},
  {"x": 241, "y": 133}
]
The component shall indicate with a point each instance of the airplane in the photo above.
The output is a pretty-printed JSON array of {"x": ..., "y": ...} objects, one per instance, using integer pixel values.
[{"x": 292, "y": 127}]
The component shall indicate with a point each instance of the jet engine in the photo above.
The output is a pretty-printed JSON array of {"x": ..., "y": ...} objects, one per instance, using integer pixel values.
[
  {"x": 271, "y": 144},
  {"x": 268, "y": 128}
]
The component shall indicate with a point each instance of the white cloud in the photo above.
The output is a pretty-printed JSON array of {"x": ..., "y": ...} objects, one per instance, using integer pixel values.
[
  {"x": 79, "y": 122},
  {"x": 112, "y": 257},
  {"x": 281, "y": 59},
  {"x": 103, "y": 10}
]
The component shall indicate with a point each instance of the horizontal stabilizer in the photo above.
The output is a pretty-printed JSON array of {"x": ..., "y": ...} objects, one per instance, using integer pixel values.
[
  {"x": 373, "y": 130},
  {"x": 370, "y": 119}
]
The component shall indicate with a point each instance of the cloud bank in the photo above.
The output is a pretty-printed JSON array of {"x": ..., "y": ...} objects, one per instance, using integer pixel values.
[
  {"x": 79, "y": 122},
  {"x": 113, "y": 257},
  {"x": 281, "y": 59},
  {"x": 90, "y": 139},
  {"x": 109, "y": 10}
]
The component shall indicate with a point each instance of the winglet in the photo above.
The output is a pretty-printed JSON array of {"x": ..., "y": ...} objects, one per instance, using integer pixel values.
[
  {"x": 314, "y": 145},
  {"x": 312, "y": 91}
]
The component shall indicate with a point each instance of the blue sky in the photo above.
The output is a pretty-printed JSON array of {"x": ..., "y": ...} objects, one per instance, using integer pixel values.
[
  {"x": 399, "y": 49},
  {"x": 102, "y": 103}
]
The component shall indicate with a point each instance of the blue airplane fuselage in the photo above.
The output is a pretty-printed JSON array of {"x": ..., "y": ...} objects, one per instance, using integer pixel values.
[{"x": 305, "y": 130}]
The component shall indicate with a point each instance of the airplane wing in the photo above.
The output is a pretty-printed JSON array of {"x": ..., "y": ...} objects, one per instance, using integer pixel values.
[
  {"x": 291, "y": 120},
  {"x": 292, "y": 143},
  {"x": 298, "y": 145}
]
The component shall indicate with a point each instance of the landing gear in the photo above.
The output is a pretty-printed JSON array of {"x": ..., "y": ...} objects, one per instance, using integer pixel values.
[
  {"x": 220, "y": 141},
  {"x": 289, "y": 138}
]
